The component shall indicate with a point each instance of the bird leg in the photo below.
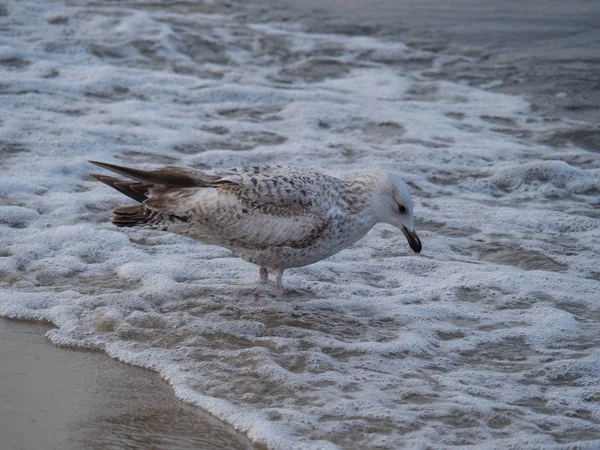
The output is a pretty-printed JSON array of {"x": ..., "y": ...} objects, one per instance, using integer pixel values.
[
  {"x": 263, "y": 274},
  {"x": 279, "y": 289}
]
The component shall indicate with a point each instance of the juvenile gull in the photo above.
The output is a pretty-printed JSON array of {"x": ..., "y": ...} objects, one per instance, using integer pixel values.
[{"x": 274, "y": 216}]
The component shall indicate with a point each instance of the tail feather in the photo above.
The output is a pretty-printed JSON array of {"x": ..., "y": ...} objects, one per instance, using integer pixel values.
[
  {"x": 139, "y": 215},
  {"x": 147, "y": 183},
  {"x": 131, "y": 216}
]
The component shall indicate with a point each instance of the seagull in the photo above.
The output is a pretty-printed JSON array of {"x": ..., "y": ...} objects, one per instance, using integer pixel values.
[{"x": 276, "y": 217}]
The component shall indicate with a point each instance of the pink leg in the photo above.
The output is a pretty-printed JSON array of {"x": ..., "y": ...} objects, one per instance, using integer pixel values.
[
  {"x": 263, "y": 274},
  {"x": 279, "y": 289}
]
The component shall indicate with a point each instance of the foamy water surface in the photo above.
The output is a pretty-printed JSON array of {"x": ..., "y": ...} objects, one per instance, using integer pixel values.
[{"x": 489, "y": 338}]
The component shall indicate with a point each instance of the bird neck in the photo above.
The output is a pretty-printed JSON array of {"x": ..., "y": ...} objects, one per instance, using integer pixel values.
[{"x": 362, "y": 197}]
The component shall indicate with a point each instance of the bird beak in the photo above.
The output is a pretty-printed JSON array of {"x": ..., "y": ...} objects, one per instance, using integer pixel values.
[{"x": 413, "y": 239}]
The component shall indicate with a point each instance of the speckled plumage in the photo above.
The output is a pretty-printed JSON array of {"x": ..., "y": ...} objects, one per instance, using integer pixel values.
[{"x": 273, "y": 216}]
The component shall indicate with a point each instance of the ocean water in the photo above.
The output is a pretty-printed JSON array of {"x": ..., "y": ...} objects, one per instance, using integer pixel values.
[
  {"x": 488, "y": 338},
  {"x": 546, "y": 50}
]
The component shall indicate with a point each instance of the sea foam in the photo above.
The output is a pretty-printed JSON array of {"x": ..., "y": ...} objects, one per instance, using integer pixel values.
[{"x": 487, "y": 339}]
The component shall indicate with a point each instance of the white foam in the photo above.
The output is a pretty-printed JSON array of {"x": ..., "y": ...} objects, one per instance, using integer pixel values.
[{"x": 487, "y": 339}]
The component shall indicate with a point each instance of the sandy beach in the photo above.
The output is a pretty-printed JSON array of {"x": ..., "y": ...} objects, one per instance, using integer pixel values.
[{"x": 56, "y": 398}]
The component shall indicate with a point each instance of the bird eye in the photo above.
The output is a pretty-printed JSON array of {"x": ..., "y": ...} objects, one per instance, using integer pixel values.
[{"x": 402, "y": 209}]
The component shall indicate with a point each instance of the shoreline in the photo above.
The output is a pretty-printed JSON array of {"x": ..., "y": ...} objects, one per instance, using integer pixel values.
[{"x": 59, "y": 398}]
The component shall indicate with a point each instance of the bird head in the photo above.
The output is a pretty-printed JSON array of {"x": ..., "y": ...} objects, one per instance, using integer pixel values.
[{"x": 394, "y": 206}]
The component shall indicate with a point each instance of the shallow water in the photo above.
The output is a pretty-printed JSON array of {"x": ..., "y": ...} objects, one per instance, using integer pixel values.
[{"x": 488, "y": 338}]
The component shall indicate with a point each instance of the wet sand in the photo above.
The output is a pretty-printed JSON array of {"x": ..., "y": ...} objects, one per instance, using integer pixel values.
[{"x": 55, "y": 398}]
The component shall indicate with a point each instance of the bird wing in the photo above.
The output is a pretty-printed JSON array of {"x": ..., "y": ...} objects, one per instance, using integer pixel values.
[
  {"x": 252, "y": 210},
  {"x": 253, "y": 207}
]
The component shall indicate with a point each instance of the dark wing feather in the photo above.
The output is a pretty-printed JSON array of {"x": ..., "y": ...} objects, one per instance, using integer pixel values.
[
  {"x": 132, "y": 189},
  {"x": 165, "y": 176}
]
